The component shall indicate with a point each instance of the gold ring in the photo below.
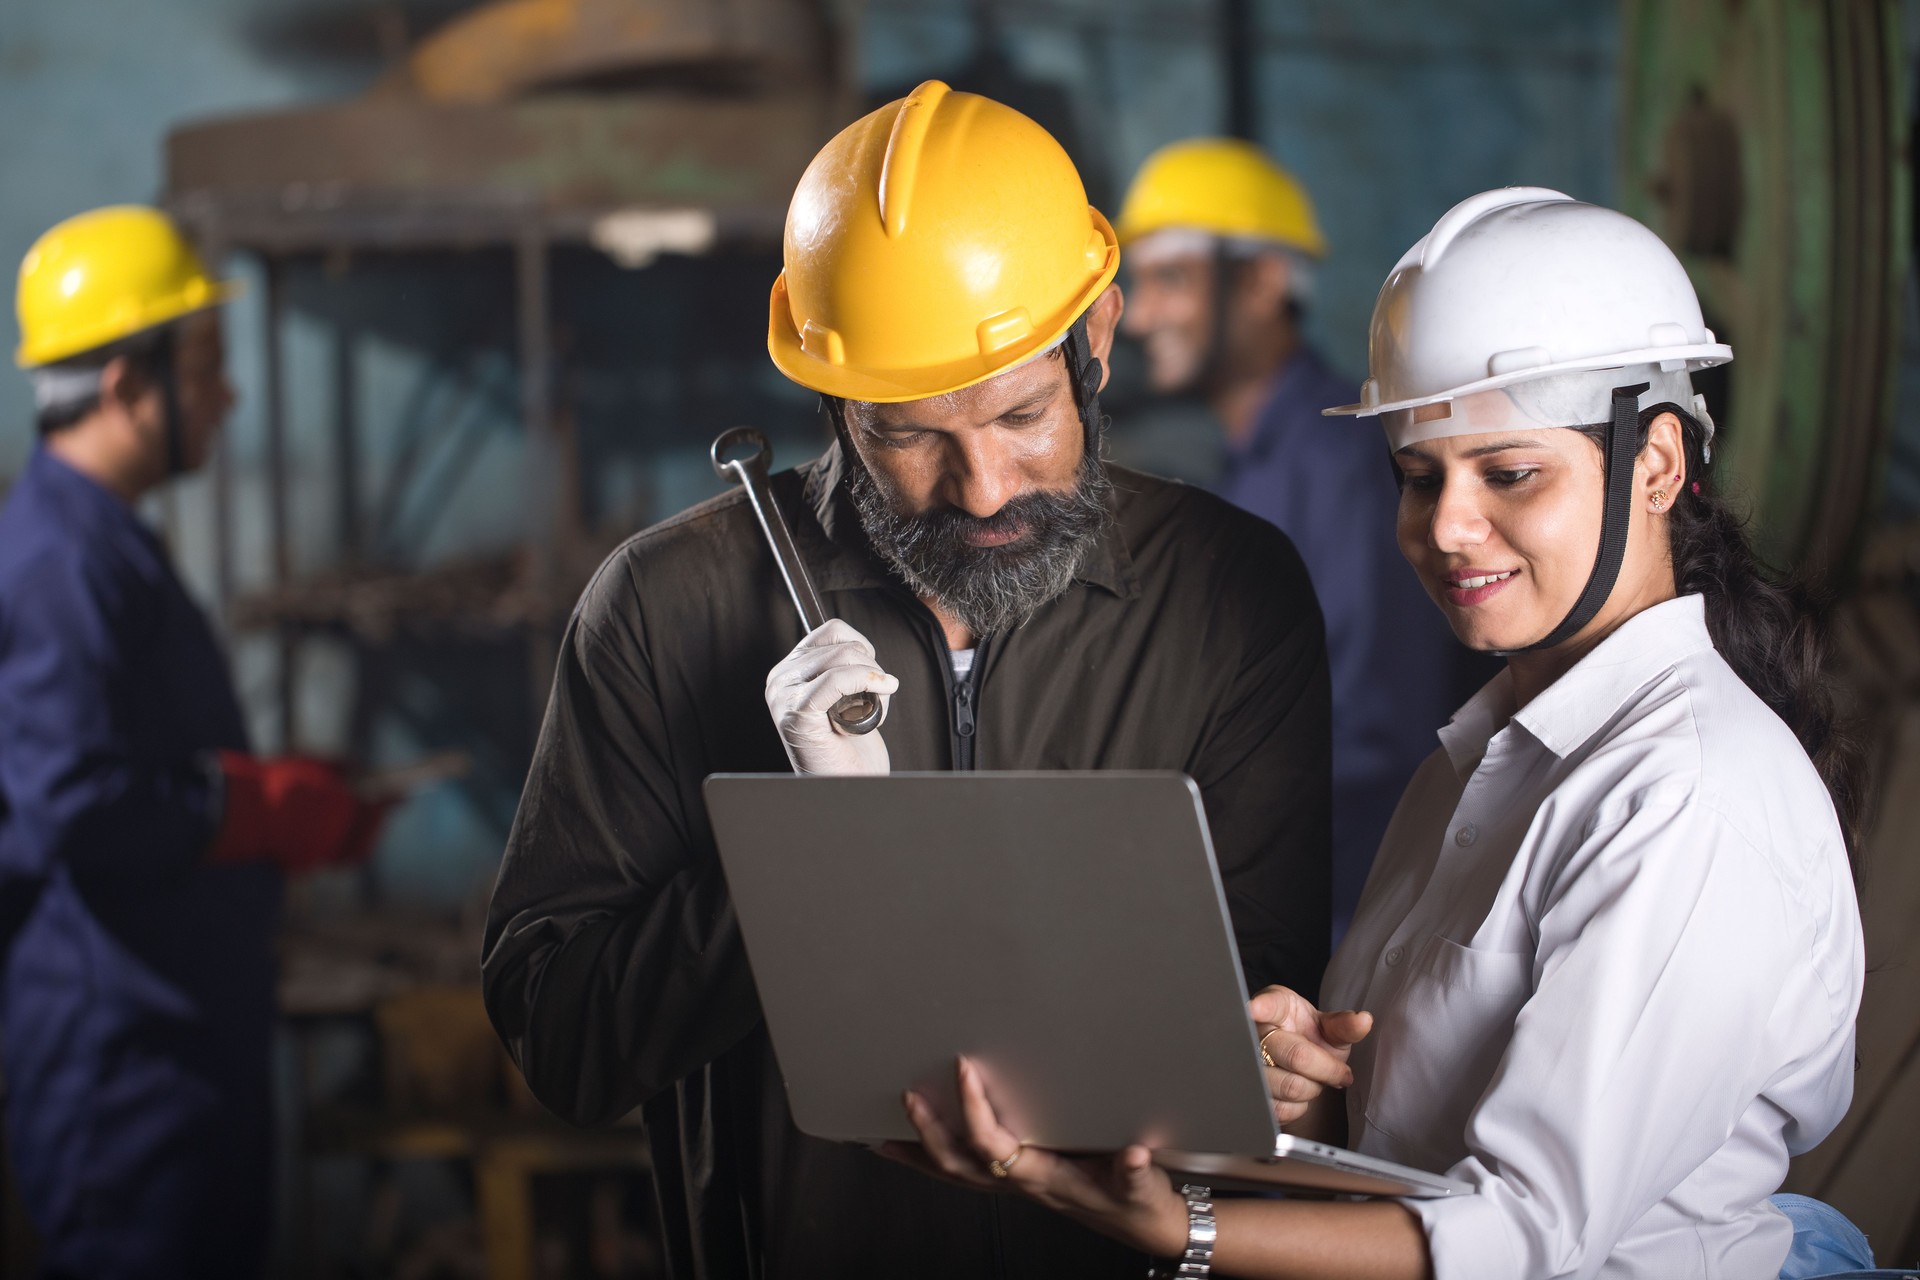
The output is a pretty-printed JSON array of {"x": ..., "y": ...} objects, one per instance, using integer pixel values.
[
  {"x": 1265, "y": 1056},
  {"x": 1001, "y": 1168}
]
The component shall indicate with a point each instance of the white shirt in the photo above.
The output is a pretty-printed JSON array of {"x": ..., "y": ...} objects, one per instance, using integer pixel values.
[{"x": 1614, "y": 956}]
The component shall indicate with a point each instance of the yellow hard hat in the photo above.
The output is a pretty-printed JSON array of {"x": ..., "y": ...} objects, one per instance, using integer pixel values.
[
  {"x": 1222, "y": 186},
  {"x": 105, "y": 275},
  {"x": 932, "y": 244}
]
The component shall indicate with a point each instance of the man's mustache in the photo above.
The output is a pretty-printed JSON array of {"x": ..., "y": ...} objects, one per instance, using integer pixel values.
[{"x": 1016, "y": 516}]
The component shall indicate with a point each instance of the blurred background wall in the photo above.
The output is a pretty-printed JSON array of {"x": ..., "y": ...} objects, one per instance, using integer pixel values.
[
  {"x": 1388, "y": 116},
  {"x": 394, "y": 545}
]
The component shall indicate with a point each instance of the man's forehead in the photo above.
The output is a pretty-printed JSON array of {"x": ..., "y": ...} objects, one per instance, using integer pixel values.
[{"x": 988, "y": 399}]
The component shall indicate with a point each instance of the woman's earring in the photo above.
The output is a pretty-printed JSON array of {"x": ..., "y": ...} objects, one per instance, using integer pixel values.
[{"x": 1659, "y": 500}]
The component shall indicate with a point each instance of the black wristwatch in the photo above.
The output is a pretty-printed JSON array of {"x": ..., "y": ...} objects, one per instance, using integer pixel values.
[{"x": 1197, "y": 1262}]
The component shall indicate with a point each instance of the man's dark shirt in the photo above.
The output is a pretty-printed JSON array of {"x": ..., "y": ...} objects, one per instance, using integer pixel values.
[{"x": 613, "y": 963}]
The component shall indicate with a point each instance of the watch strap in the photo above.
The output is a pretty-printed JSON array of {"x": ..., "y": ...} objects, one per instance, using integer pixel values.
[{"x": 1197, "y": 1262}]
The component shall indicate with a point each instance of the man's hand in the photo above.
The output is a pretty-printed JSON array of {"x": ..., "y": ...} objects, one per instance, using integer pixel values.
[
  {"x": 1306, "y": 1050},
  {"x": 825, "y": 667}
]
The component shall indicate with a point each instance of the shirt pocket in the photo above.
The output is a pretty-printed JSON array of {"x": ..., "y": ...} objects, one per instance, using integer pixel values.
[{"x": 1442, "y": 1036}]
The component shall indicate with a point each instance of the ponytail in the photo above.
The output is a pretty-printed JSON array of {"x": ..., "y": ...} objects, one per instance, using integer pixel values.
[{"x": 1771, "y": 628}]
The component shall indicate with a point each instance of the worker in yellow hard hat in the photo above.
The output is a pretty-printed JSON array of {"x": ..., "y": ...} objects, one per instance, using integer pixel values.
[
  {"x": 1222, "y": 247},
  {"x": 142, "y": 845},
  {"x": 1013, "y": 600}
]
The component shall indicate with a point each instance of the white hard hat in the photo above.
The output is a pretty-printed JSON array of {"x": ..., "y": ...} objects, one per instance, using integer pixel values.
[{"x": 1525, "y": 307}]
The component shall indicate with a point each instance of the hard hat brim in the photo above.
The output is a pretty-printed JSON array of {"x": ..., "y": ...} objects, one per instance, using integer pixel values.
[
  {"x": 1698, "y": 356},
  {"x": 897, "y": 386},
  {"x": 77, "y": 343}
]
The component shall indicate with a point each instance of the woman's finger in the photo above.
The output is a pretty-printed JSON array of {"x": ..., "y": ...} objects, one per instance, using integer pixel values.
[
  {"x": 1285, "y": 1113},
  {"x": 1285, "y": 1086},
  {"x": 1136, "y": 1178},
  {"x": 1301, "y": 1056},
  {"x": 989, "y": 1139},
  {"x": 942, "y": 1148},
  {"x": 1026, "y": 1169},
  {"x": 1346, "y": 1028},
  {"x": 1275, "y": 1005},
  {"x": 1067, "y": 1185}
]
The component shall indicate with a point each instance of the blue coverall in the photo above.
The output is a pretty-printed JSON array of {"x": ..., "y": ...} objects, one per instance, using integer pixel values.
[
  {"x": 1398, "y": 672},
  {"x": 138, "y": 984}
]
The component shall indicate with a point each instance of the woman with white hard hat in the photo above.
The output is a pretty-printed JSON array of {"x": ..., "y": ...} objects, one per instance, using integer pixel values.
[{"x": 1610, "y": 952}]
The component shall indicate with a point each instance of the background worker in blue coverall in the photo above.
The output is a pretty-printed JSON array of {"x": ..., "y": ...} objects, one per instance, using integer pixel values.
[
  {"x": 142, "y": 847},
  {"x": 1219, "y": 244}
]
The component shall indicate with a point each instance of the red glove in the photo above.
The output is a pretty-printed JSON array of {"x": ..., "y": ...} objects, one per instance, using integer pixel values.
[{"x": 295, "y": 811}]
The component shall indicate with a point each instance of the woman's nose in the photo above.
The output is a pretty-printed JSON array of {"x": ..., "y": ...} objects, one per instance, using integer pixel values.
[{"x": 1457, "y": 522}]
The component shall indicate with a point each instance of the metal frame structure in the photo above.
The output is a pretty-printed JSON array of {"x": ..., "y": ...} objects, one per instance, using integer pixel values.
[{"x": 491, "y": 180}]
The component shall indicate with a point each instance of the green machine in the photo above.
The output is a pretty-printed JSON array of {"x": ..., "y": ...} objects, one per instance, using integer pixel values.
[{"x": 1766, "y": 141}]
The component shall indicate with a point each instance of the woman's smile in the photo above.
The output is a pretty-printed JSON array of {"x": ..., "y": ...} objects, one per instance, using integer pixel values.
[{"x": 1468, "y": 587}]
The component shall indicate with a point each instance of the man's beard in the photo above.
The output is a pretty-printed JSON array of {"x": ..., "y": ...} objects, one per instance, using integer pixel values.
[{"x": 988, "y": 590}]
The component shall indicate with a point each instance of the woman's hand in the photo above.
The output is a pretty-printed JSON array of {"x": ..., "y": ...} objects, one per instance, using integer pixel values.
[
  {"x": 1123, "y": 1196},
  {"x": 1305, "y": 1050}
]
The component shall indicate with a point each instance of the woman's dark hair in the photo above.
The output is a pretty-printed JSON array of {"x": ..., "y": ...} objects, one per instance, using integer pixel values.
[{"x": 1770, "y": 627}]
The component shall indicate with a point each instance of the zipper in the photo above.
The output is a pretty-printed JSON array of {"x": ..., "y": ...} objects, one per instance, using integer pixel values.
[
  {"x": 966, "y": 705},
  {"x": 963, "y": 723},
  {"x": 963, "y": 696},
  {"x": 963, "y": 706}
]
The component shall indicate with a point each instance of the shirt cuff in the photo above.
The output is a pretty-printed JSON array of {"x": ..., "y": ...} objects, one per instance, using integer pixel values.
[{"x": 1467, "y": 1238}]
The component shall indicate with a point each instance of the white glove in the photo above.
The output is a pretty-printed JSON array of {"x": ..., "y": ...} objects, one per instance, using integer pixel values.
[{"x": 825, "y": 667}]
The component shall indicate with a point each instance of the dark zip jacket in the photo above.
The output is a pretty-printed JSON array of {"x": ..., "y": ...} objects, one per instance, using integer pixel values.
[{"x": 613, "y": 963}]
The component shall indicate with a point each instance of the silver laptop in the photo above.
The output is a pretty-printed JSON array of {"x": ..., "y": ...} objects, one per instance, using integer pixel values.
[{"x": 1068, "y": 931}]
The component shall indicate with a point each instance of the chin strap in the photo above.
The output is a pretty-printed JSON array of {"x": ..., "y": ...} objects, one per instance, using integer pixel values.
[
  {"x": 1084, "y": 372},
  {"x": 1623, "y": 440}
]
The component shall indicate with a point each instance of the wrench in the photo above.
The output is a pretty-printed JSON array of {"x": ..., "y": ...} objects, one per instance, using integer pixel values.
[{"x": 857, "y": 712}]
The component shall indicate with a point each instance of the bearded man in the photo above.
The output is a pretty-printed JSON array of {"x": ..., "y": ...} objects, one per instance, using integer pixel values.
[{"x": 1016, "y": 601}]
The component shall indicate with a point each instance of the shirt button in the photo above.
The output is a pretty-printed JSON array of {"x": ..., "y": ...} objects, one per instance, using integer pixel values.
[
  {"x": 1466, "y": 835},
  {"x": 1394, "y": 956}
]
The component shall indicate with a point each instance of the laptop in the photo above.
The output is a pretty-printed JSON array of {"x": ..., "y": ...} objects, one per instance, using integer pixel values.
[{"x": 1067, "y": 931}]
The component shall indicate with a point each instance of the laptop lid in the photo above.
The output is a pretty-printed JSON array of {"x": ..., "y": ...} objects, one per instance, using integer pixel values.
[{"x": 1066, "y": 930}]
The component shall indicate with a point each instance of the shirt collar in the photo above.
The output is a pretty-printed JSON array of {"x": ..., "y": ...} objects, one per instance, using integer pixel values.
[
  {"x": 841, "y": 559},
  {"x": 1573, "y": 708},
  {"x": 1465, "y": 737}
]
